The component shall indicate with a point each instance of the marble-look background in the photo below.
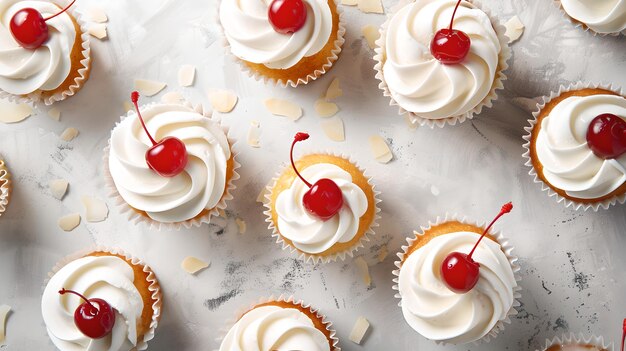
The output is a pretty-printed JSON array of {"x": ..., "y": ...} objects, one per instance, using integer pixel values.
[{"x": 572, "y": 262}]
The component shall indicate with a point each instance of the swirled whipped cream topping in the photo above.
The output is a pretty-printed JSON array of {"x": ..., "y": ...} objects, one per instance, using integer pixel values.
[
  {"x": 200, "y": 186},
  {"x": 421, "y": 84},
  {"x": 309, "y": 233},
  {"x": 602, "y": 16},
  {"x": 440, "y": 314},
  {"x": 23, "y": 71},
  {"x": 252, "y": 37},
  {"x": 106, "y": 277},
  {"x": 568, "y": 162},
  {"x": 273, "y": 328}
]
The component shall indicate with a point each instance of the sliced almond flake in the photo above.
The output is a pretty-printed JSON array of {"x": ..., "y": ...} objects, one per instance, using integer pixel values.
[
  {"x": 186, "y": 75},
  {"x": 333, "y": 91},
  {"x": 241, "y": 224},
  {"x": 12, "y": 113},
  {"x": 371, "y": 34},
  {"x": 221, "y": 212},
  {"x": 514, "y": 29},
  {"x": 98, "y": 30},
  {"x": 361, "y": 326},
  {"x": 149, "y": 87},
  {"x": 172, "y": 97},
  {"x": 365, "y": 272},
  {"x": 333, "y": 128},
  {"x": 128, "y": 106},
  {"x": 54, "y": 113},
  {"x": 4, "y": 312},
  {"x": 193, "y": 265},
  {"x": 261, "y": 197},
  {"x": 371, "y": 6},
  {"x": 254, "y": 134},
  {"x": 380, "y": 149},
  {"x": 222, "y": 101},
  {"x": 69, "y": 222},
  {"x": 96, "y": 14},
  {"x": 96, "y": 210},
  {"x": 349, "y": 2},
  {"x": 382, "y": 253},
  {"x": 326, "y": 109},
  {"x": 284, "y": 108},
  {"x": 58, "y": 188},
  {"x": 69, "y": 134}
]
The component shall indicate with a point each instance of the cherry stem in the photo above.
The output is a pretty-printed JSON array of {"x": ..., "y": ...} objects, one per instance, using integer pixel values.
[
  {"x": 624, "y": 334},
  {"x": 454, "y": 13},
  {"x": 134, "y": 97},
  {"x": 65, "y": 291},
  {"x": 505, "y": 209},
  {"x": 297, "y": 138},
  {"x": 65, "y": 9}
]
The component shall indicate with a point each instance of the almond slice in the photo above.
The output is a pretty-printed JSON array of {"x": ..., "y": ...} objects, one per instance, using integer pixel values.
[
  {"x": 349, "y": 2},
  {"x": 371, "y": 34},
  {"x": 222, "y": 101},
  {"x": 365, "y": 272},
  {"x": 58, "y": 188},
  {"x": 172, "y": 97},
  {"x": 4, "y": 312},
  {"x": 333, "y": 128},
  {"x": 54, "y": 113},
  {"x": 261, "y": 197},
  {"x": 514, "y": 29},
  {"x": 98, "y": 30},
  {"x": 333, "y": 91},
  {"x": 13, "y": 113},
  {"x": 186, "y": 75},
  {"x": 254, "y": 134},
  {"x": 326, "y": 109},
  {"x": 380, "y": 149},
  {"x": 361, "y": 326},
  {"x": 284, "y": 108},
  {"x": 96, "y": 14},
  {"x": 382, "y": 253},
  {"x": 96, "y": 210},
  {"x": 69, "y": 134},
  {"x": 69, "y": 222},
  {"x": 193, "y": 265},
  {"x": 241, "y": 224},
  {"x": 371, "y": 6},
  {"x": 149, "y": 87}
]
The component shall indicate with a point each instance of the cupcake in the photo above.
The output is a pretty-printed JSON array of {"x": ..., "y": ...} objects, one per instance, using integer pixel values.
[
  {"x": 101, "y": 300},
  {"x": 5, "y": 187},
  {"x": 430, "y": 68},
  {"x": 183, "y": 179},
  {"x": 280, "y": 324},
  {"x": 47, "y": 64},
  {"x": 288, "y": 42},
  {"x": 576, "y": 145},
  {"x": 322, "y": 207},
  {"x": 450, "y": 296},
  {"x": 573, "y": 342},
  {"x": 602, "y": 17}
]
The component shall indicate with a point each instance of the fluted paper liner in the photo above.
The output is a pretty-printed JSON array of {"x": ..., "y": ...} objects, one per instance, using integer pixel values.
[
  {"x": 507, "y": 249},
  {"x": 315, "y": 258},
  {"x": 572, "y": 338},
  {"x": 154, "y": 287},
  {"x": 5, "y": 188},
  {"x": 136, "y": 217},
  {"x": 487, "y": 102},
  {"x": 338, "y": 44},
  {"x": 290, "y": 300},
  {"x": 582, "y": 25},
  {"x": 528, "y": 137}
]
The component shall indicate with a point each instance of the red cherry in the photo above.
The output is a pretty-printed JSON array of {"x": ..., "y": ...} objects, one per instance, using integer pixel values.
[
  {"x": 458, "y": 270},
  {"x": 29, "y": 28},
  {"x": 606, "y": 136},
  {"x": 287, "y": 16},
  {"x": 94, "y": 317},
  {"x": 450, "y": 45},
  {"x": 324, "y": 198},
  {"x": 168, "y": 157}
]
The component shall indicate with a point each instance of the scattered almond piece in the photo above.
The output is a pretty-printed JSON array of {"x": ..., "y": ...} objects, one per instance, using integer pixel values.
[
  {"x": 54, "y": 113},
  {"x": 284, "y": 108},
  {"x": 128, "y": 106},
  {"x": 241, "y": 224},
  {"x": 254, "y": 134},
  {"x": 221, "y": 212},
  {"x": 58, "y": 188},
  {"x": 514, "y": 29},
  {"x": 382, "y": 253},
  {"x": 371, "y": 34},
  {"x": 172, "y": 97},
  {"x": 365, "y": 272},
  {"x": 371, "y": 6},
  {"x": 69, "y": 134},
  {"x": 186, "y": 75},
  {"x": 261, "y": 197},
  {"x": 333, "y": 91},
  {"x": 98, "y": 30},
  {"x": 333, "y": 128},
  {"x": 69, "y": 222},
  {"x": 12, "y": 113},
  {"x": 349, "y": 2},
  {"x": 4, "y": 312},
  {"x": 326, "y": 109},
  {"x": 193, "y": 265},
  {"x": 96, "y": 210},
  {"x": 380, "y": 149},
  {"x": 361, "y": 326},
  {"x": 222, "y": 101},
  {"x": 149, "y": 87},
  {"x": 96, "y": 14}
]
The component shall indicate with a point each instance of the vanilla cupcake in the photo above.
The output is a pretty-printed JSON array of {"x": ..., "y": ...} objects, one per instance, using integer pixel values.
[
  {"x": 298, "y": 44},
  {"x": 434, "y": 85},
  {"x": 5, "y": 187},
  {"x": 602, "y": 17},
  {"x": 51, "y": 72},
  {"x": 573, "y": 342}
]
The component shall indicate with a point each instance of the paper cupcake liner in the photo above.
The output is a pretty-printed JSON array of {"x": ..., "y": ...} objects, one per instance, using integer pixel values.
[
  {"x": 338, "y": 44},
  {"x": 315, "y": 258},
  {"x": 154, "y": 286},
  {"x": 487, "y": 102},
  {"x": 507, "y": 248},
  {"x": 328, "y": 324},
  {"x": 582, "y": 25},
  {"x": 83, "y": 73},
  {"x": 197, "y": 221},
  {"x": 572, "y": 338},
  {"x": 5, "y": 189},
  {"x": 526, "y": 155}
]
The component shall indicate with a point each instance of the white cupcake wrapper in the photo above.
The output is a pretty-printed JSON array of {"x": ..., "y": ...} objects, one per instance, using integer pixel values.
[
  {"x": 137, "y": 218},
  {"x": 83, "y": 73},
  {"x": 154, "y": 286},
  {"x": 487, "y": 102},
  {"x": 581, "y": 25},
  {"x": 507, "y": 248},
  {"x": 328, "y": 324},
  {"x": 5, "y": 189},
  {"x": 572, "y": 338},
  {"x": 526, "y": 155},
  {"x": 313, "y": 257},
  {"x": 338, "y": 44}
]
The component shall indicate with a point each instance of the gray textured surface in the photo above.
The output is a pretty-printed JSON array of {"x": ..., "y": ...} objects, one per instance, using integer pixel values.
[{"x": 572, "y": 262}]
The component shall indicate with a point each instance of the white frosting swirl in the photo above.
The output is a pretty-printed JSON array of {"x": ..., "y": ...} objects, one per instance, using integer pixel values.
[
  {"x": 200, "y": 186},
  {"x": 106, "y": 277},
  {"x": 273, "y": 328},
  {"x": 435, "y": 311},
  {"x": 309, "y": 233},
  {"x": 602, "y": 16},
  {"x": 23, "y": 71},
  {"x": 568, "y": 162},
  {"x": 252, "y": 37},
  {"x": 421, "y": 84}
]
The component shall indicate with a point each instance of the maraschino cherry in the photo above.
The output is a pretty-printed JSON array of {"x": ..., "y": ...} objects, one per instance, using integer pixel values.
[
  {"x": 324, "y": 198},
  {"x": 458, "y": 270},
  {"x": 606, "y": 136},
  {"x": 29, "y": 28},
  {"x": 168, "y": 157},
  {"x": 287, "y": 16},
  {"x": 94, "y": 317},
  {"x": 450, "y": 45}
]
